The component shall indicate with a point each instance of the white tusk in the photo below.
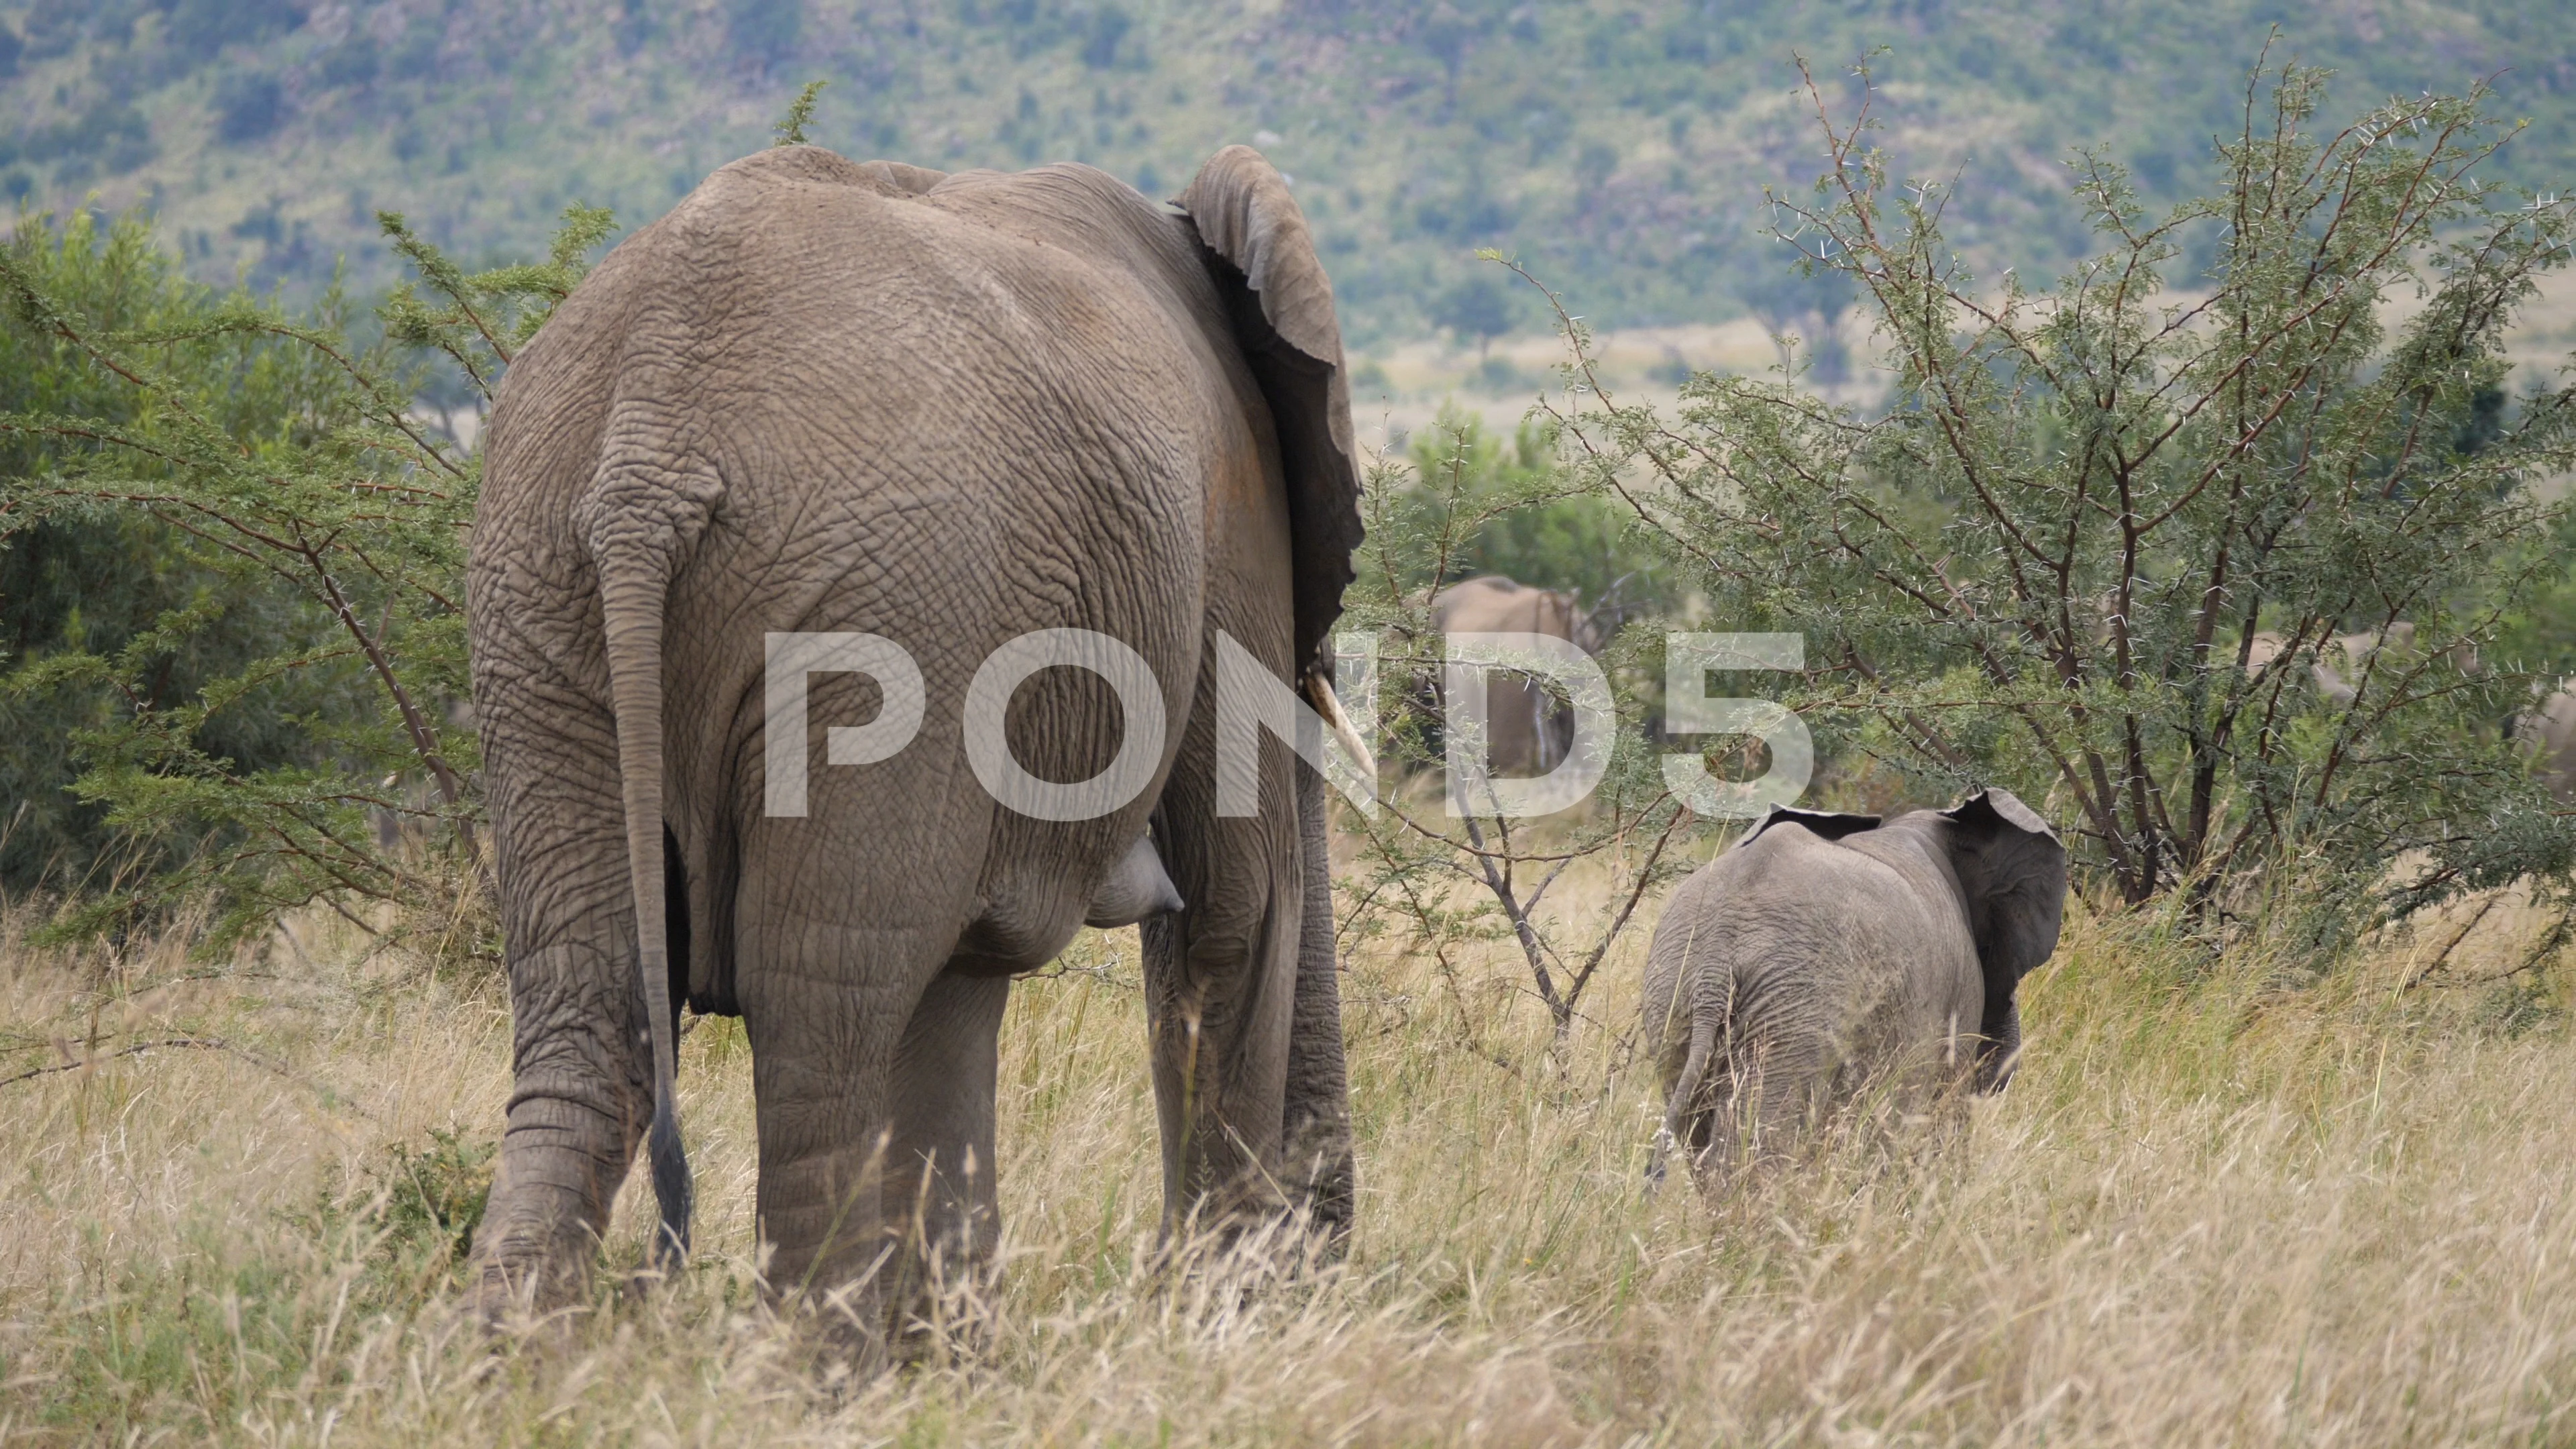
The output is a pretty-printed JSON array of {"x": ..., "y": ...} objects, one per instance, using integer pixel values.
[{"x": 1329, "y": 705}]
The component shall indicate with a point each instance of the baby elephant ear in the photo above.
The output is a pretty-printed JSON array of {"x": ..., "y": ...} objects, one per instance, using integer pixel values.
[
  {"x": 1825, "y": 824},
  {"x": 1991, "y": 809},
  {"x": 1263, "y": 260},
  {"x": 2012, "y": 869}
]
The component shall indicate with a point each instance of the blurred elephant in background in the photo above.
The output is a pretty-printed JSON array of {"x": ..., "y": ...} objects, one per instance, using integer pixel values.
[
  {"x": 821, "y": 399},
  {"x": 2550, "y": 732},
  {"x": 1825, "y": 950},
  {"x": 2341, "y": 659},
  {"x": 1528, "y": 728},
  {"x": 2547, "y": 729}
]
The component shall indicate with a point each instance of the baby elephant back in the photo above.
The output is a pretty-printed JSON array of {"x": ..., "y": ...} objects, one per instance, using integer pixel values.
[{"x": 1827, "y": 950}]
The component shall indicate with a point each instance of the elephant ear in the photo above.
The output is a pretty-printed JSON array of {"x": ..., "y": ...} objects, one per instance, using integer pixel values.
[
  {"x": 1824, "y": 824},
  {"x": 2012, "y": 869},
  {"x": 1258, "y": 249}
]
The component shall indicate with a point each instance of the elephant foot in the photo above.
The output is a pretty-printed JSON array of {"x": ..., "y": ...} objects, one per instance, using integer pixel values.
[
  {"x": 910, "y": 1304},
  {"x": 528, "y": 1261},
  {"x": 1264, "y": 1237},
  {"x": 518, "y": 1287},
  {"x": 497, "y": 1297},
  {"x": 946, "y": 1317},
  {"x": 560, "y": 1164},
  {"x": 842, "y": 1330},
  {"x": 1321, "y": 1184},
  {"x": 1242, "y": 1261}
]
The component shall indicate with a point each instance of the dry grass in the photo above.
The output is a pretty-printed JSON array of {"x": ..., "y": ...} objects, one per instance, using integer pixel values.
[{"x": 2223, "y": 1203}]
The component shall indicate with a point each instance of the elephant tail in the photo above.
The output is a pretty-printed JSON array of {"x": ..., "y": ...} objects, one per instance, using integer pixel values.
[
  {"x": 1684, "y": 1102},
  {"x": 635, "y": 559}
]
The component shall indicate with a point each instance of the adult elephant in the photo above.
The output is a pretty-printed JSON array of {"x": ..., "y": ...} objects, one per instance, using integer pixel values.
[
  {"x": 1824, "y": 950},
  {"x": 2343, "y": 661},
  {"x": 2549, "y": 732},
  {"x": 1528, "y": 730},
  {"x": 822, "y": 397}
]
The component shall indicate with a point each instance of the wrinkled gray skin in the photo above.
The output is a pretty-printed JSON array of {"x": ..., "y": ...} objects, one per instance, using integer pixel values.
[
  {"x": 1528, "y": 729},
  {"x": 1825, "y": 950},
  {"x": 948, "y": 410}
]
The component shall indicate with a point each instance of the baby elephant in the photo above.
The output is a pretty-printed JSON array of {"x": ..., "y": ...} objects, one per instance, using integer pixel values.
[{"x": 1824, "y": 950}]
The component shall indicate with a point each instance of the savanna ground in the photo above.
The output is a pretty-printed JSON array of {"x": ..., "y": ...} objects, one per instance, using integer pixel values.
[{"x": 2227, "y": 1200}]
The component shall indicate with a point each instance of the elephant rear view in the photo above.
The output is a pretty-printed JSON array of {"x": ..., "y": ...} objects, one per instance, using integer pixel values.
[
  {"x": 2549, "y": 732},
  {"x": 858, "y": 553},
  {"x": 1825, "y": 950},
  {"x": 1528, "y": 730}
]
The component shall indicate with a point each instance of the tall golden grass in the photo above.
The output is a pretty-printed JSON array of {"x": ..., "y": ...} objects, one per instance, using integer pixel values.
[{"x": 2227, "y": 1200}]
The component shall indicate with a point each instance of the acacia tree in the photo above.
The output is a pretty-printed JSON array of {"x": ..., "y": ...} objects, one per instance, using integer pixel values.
[
  {"x": 2099, "y": 539},
  {"x": 93, "y": 578},
  {"x": 1439, "y": 880},
  {"x": 333, "y": 509}
]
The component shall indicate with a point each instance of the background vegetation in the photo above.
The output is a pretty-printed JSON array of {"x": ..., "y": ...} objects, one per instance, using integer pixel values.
[
  {"x": 92, "y": 579},
  {"x": 1618, "y": 146},
  {"x": 2104, "y": 533},
  {"x": 269, "y": 705}
]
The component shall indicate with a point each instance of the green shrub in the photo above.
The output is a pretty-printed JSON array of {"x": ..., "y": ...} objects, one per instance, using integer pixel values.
[
  {"x": 415, "y": 1210},
  {"x": 90, "y": 577},
  {"x": 310, "y": 534},
  {"x": 2056, "y": 557},
  {"x": 1506, "y": 507}
]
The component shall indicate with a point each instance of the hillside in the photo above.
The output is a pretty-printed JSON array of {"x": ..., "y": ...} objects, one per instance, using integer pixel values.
[{"x": 1619, "y": 145}]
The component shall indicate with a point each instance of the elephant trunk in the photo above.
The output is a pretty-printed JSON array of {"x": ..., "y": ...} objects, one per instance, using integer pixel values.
[{"x": 2000, "y": 1052}]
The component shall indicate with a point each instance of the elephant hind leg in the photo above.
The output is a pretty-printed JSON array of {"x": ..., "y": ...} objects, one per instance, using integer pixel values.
[
  {"x": 1712, "y": 1134},
  {"x": 581, "y": 1098},
  {"x": 940, "y": 1192},
  {"x": 1782, "y": 1087},
  {"x": 830, "y": 1012}
]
